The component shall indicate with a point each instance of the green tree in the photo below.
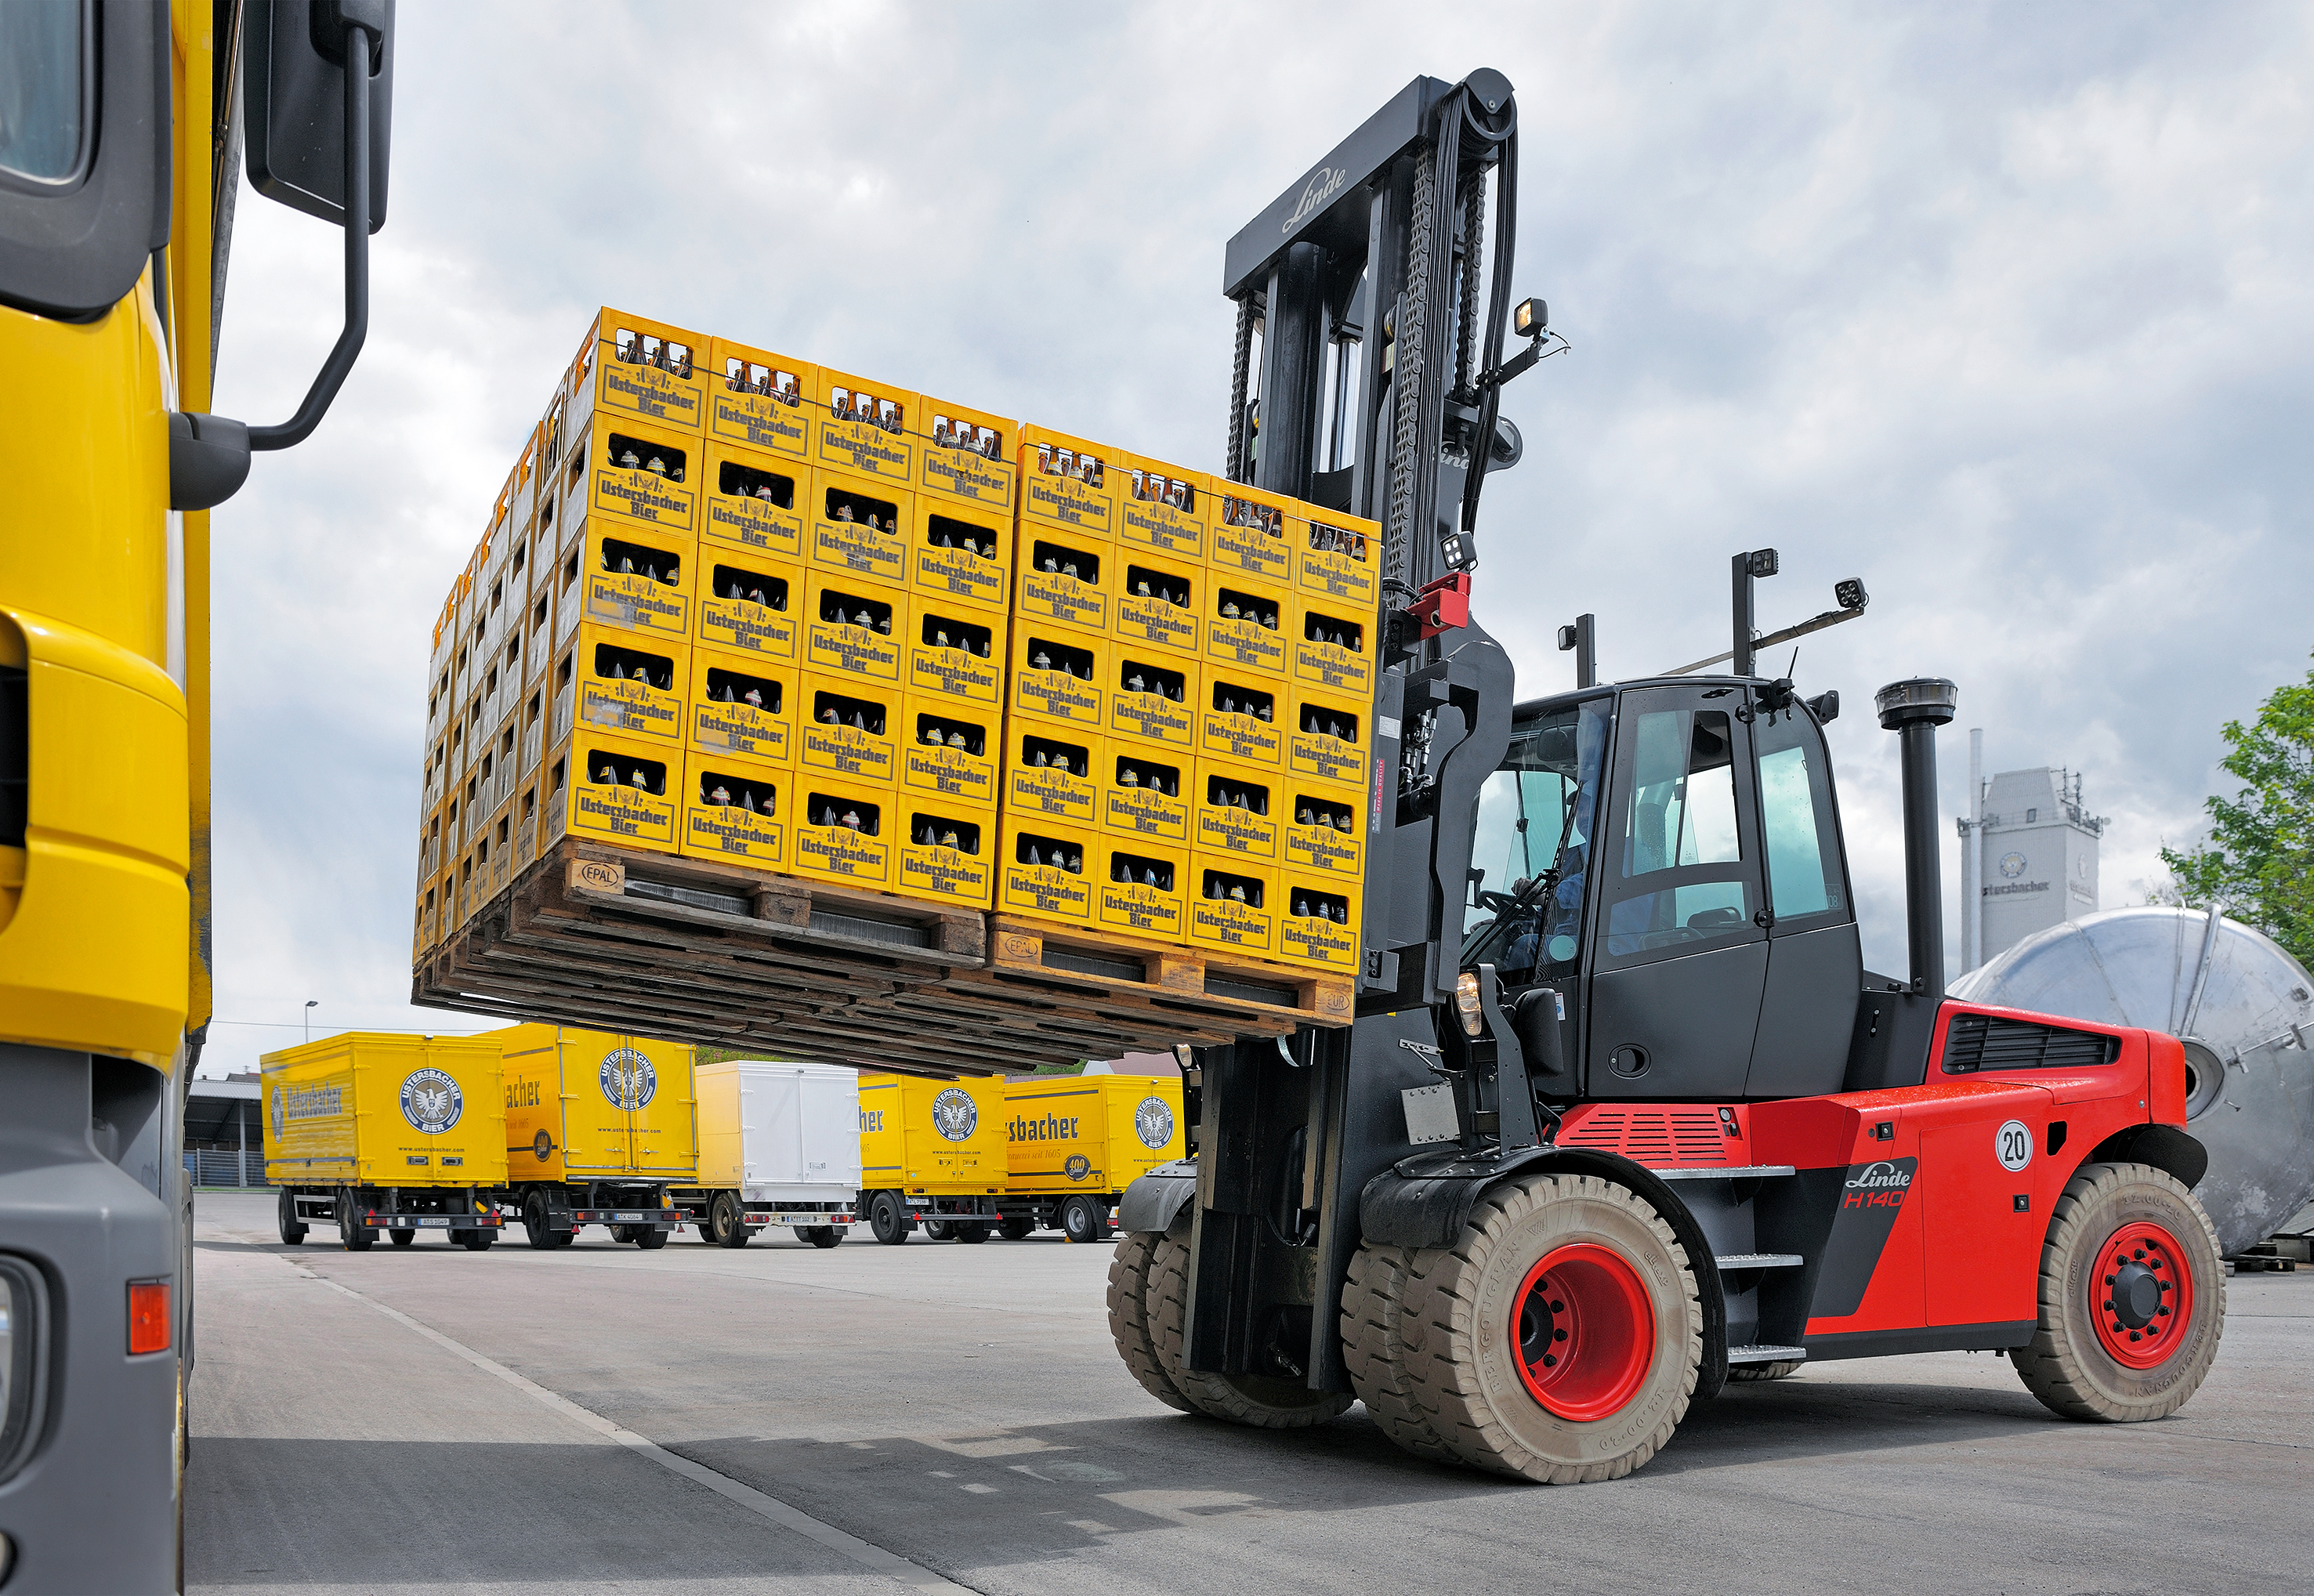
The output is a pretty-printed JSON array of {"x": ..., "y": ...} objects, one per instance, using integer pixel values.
[{"x": 2258, "y": 861}]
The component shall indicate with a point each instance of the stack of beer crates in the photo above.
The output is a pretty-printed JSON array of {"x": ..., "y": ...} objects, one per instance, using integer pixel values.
[{"x": 1186, "y": 750}]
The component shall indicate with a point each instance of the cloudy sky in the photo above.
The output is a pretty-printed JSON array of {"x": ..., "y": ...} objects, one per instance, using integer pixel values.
[{"x": 2004, "y": 309}]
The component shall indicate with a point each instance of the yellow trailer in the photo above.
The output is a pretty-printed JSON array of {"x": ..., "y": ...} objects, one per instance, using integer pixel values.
[
  {"x": 598, "y": 1126},
  {"x": 932, "y": 1152},
  {"x": 1072, "y": 1144},
  {"x": 370, "y": 1130}
]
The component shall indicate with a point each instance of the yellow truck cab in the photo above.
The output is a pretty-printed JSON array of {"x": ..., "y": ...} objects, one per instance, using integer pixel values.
[
  {"x": 599, "y": 1126},
  {"x": 1072, "y": 1144},
  {"x": 932, "y": 1152},
  {"x": 370, "y": 1132}
]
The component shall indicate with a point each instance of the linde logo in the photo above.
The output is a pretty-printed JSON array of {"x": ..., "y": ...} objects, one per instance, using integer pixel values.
[
  {"x": 1881, "y": 1185},
  {"x": 1323, "y": 185}
]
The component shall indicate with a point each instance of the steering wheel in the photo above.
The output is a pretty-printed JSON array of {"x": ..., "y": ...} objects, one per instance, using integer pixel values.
[{"x": 1501, "y": 903}]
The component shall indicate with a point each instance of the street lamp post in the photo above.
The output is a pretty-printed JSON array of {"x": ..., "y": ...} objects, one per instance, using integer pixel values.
[{"x": 310, "y": 1004}]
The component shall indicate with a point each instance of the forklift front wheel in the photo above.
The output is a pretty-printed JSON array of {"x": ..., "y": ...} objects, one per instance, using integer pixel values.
[
  {"x": 1128, "y": 1317},
  {"x": 1265, "y": 1401}
]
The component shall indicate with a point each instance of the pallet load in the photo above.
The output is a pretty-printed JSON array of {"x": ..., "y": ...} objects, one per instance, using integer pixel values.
[{"x": 786, "y": 707}]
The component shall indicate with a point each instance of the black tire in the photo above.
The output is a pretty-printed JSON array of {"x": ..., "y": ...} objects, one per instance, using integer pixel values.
[
  {"x": 651, "y": 1238},
  {"x": 1465, "y": 1309},
  {"x": 1085, "y": 1220},
  {"x": 2069, "y": 1364},
  {"x": 1266, "y": 1402},
  {"x": 821, "y": 1236},
  {"x": 479, "y": 1240},
  {"x": 938, "y": 1229},
  {"x": 353, "y": 1236},
  {"x": 887, "y": 1218},
  {"x": 292, "y": 1231},
  {"x": 535, "y": 1225},
  {"x": 727, "y": 1221},
  {"x": 403, "y": 1237},
  {"x": 1755, "y": 1373},
  {"x": 970, "y": 1235},
  {"x": 623, "y": 1234},
  {"x": 1128, "y": 1319},
  {"x": 1016, "y": 1229},
  {"x": 1371, "y": 1349}
]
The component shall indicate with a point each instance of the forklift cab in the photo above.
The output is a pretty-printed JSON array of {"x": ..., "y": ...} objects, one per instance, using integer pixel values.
[{"x": 1698, "y": 940}]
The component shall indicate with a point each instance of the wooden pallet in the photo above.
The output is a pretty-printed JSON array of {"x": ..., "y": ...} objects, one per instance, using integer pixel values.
[{"x": 694, "y": 951}]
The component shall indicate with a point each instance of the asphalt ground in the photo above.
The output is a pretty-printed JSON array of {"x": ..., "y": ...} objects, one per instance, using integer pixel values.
[{"x": 873, "y": 1418}]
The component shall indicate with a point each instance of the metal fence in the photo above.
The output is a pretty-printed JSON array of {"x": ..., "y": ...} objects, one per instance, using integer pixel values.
[{"x": 225, "y": 1167}]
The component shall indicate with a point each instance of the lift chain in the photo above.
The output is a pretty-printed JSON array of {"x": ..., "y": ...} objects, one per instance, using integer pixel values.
[
  {"x": 1407, "y": 468},
  {"x": 1466, "y": 321},
  {"x": 1239, "y": 467}
]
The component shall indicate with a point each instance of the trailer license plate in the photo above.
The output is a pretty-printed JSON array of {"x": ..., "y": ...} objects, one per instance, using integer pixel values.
[{"x": 630, "y": 1219}]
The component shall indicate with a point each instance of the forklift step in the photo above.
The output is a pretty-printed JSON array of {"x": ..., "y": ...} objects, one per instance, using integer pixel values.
[
  {"x": 1767, "y": 1355},
  {"x": 1759, "y": 1260},
  {"x": 1744, "y": 1172}
]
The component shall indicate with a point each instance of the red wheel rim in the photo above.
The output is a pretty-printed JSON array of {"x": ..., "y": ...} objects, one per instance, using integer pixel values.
[
  {"x": 2141, "y": 1295},
  {"x": 1582, "y": 1331}
]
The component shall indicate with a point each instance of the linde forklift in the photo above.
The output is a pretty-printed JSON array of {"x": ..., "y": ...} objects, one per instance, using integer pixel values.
[{"x": 1621, "y": 1115}]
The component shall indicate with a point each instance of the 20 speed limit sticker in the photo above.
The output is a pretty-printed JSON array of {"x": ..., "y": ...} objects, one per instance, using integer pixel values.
[{"x": 2012, "y": 1144}]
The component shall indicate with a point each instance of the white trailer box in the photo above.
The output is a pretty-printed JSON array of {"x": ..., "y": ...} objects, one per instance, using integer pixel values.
[{"x": 779, "y": 1144}]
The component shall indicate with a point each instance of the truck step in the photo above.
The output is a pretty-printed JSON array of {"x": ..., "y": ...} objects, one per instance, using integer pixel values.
[
  {"x": 1759, "y": 1260},
  {"x": 1767, "y": 1355}
]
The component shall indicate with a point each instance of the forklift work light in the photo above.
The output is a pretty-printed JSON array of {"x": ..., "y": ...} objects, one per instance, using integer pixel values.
[
  {"x": 1765, "y": 562},
  {"x": 1531, "y": 319},
  {"x": 1849, "y": 595},
  {"x": 1466, "y": 1003}
]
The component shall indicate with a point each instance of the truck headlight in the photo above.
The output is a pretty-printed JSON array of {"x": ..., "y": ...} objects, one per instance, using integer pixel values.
[
  {"x": 1466, "y": 1003},
  {"x": 23, "y": 1393}
]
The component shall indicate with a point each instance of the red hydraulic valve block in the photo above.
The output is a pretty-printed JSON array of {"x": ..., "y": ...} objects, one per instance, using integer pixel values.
[{"x": 1444, "y": 605}]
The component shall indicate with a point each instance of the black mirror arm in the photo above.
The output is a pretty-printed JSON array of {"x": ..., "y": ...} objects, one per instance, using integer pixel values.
[{"x": 208, "y": 455}]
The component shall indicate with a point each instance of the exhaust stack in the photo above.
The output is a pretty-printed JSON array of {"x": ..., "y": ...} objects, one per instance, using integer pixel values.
[{"x": 1913, "y": 709}]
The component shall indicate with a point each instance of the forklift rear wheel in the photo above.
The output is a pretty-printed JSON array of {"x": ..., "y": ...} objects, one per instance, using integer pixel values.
[
  {"x": 1372, "y": 1351},
  {"x": 356, "y": 1236},
  {"x": 651, "y": 1238},
  {"x": 403, "y": 1237},
  {"x": 1559, "y": 1340},
  {"x": 971, "y": 1234},
  {"x": 1128, "y": 1317},
  {"x": 1750, "y": 1372},
  {"x": 726, "y": 1224},
  {"x": 1085, "y": 1220},
  {"x": 887, "y": 1219},
  {"x": 292, "y": 1232},
  {"x": 1267, "y": 1402},
  {"x": 1015, "y": 1230},
  {"x": 2133, "y": 1298},
  {"x": 821, "y": 1236}
]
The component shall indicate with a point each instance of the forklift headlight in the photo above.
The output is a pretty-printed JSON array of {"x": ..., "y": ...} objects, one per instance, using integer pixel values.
[
  {"x": 1466, "y": 1003},
  {"x": 1532, "y": 318}
]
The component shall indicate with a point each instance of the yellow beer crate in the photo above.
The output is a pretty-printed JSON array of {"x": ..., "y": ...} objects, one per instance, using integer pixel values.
[
  {"x": 1157, "y": 600},
  {"x": 1319, "y": 926},
  {"x": 1145, "y": 791},
  {"x": 1140, "y": 890},
  {"x": 1249, "y": 534},
  {"x": 1152, "y": 699},
  {"x": 848, "y": 729},
  {"x": 1064, "y": 578},
  {"x": 1333, "y": 650},
  {"x": 1234, "y": 812},
  {"x": 615, "y": 790},
  {"x": 946, "y": 852},
  {"x": 644, "y": 475},
  {"x": 1066, "y": 483},
  {"x": 1243, "y": 717},
  {"x": 1162, "y": 508},
  {"x": 1057, "y": 674},
  {"x": 1232, "y": 905},
  {"x": 843, "y": 831},
  {"x": 861, "y": 429},
  {"x": 1322, "y": 836},
  {"x": 631, "y": 683},
  {"x": 960, "y": 552},
  {"x": 968, "y": 455},
  {"x": 640, "y": 578},
  {"x": 755, "y": 503},
  {"x": 1049, "y": 774},
  {"x": 1337, "y": 560},
  {"x": 1328, "y": 742},
  {"x": 1247, "y": 625},
  {"x": 1046, "y": 870},
  {"x": 949, "y": 750},
  {"x": 748, "y": 603},
  {"x": 853, "y": 628},
  {"x": 735, "y": 810},
  {"x": 955, "y": 650},
  {"x": 646, "y": 369},
  {"x": 742, "y": 706},
  {"x": 856, "y": 528},
  {"x": 759, "y": 400}
]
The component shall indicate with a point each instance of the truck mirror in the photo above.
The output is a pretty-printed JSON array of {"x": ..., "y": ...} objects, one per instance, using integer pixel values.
[{"x": 293, "y": 101}]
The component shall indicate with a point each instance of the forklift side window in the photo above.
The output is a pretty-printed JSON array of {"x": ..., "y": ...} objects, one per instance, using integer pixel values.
[
  {"x": 1534, "y": 811},
  {"x": 1798, "y": 818},
  {"x": 1679, "y": 820}
]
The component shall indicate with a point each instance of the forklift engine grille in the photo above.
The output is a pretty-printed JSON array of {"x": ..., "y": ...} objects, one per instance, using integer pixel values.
[
  {"x": 1976, "y": 1042},
  {"x": 1652, "y": 1138}
]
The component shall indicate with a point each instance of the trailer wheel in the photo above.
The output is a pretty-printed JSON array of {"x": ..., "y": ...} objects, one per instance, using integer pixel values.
[
  {"x": 1750, "y": 1373},
  {"x": 2133, "y": 1298},
  {"x": 477, "y": 1240},
  {"x": 355, "y": 1236},
  {"x": 1559, "y": 1340},
  {"x": 1266, "y": 1402},
  {"x": 1128, "y": 1317},
  {"x": 1016, "y": 1229},
  {"x": 292, "y": 1232},
  {"x": 533, "y": 1223},
  {"x": 726, "y": 1224},
  {"x": 971, "y": 1235},
  {"x": 936, "y": 1229},
  {"x": 403, "y": 1237},
  {"x": 651, "y": 1238},
  {"x": 1085, "y": 1220},
  {"x": 821, "y": 1236},
  {"x": 1372, "y": 1347},
  {"x": 889, "y": 1219}
]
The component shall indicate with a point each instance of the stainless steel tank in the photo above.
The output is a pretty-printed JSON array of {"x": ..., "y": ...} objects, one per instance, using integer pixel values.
[{"x": 2243, "y": 1008}]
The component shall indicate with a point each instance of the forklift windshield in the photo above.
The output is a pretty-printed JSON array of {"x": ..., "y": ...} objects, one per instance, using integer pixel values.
[{"x": 1534, "y": 813}]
